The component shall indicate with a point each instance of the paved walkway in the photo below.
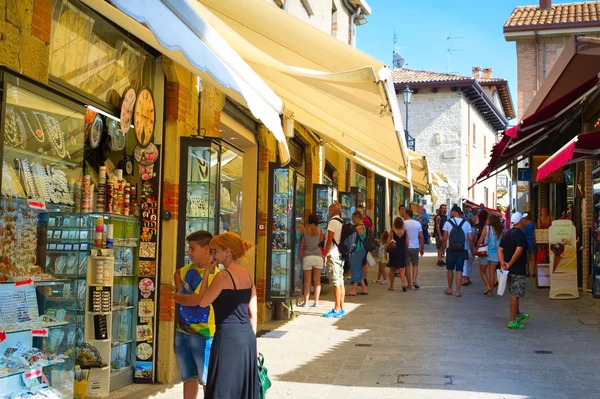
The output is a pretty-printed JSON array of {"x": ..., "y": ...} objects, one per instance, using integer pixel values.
[{"x": 424, "y": 344}]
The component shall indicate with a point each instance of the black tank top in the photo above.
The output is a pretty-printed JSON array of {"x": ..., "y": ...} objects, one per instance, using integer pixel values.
[
  {"x": 443, "y": 220},
  {"x": 231, "y": 306}
]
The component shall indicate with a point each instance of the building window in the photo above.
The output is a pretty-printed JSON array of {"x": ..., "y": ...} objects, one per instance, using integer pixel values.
[
  {"x": 334, "y": 17},
  {"x": 474, "y": 135},
  {"x": 485, "y": 196},
  {"x": 484, "y": 146}
]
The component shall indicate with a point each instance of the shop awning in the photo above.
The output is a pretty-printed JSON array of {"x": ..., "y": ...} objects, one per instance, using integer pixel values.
[
  {"x": 441, "y": 181},
  {"x": 344, "y": 95},
  {"x": 581, "y": 146},
  {"x": 475, "y": 207},
  {"x": 420, "y": 176},
  {"x": 534, "y": 129},
  {"x": 178, "y": 30}
]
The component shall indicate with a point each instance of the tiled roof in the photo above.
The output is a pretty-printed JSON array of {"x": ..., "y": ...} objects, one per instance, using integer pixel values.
[
  {"x": 403, "y": 75},
  {"x": 584, "y": 13}
]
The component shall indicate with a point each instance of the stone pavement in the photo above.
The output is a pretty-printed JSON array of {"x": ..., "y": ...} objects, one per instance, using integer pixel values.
[{"x": 424, "y": 344}]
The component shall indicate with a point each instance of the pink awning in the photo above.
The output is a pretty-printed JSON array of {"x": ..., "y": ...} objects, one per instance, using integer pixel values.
[{"x": 583, "y": 145}]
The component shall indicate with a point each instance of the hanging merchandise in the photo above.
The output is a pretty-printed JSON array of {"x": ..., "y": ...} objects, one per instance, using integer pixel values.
[
  {"x": 126, "y": 164},
  {"x": 117, "y": 136},
  {"x": 146, "y": 156},
  {"x": 127, "y": 109},
  {"x": 90, "y": 117},
  {"x": 147, "y": 172},
  {"x": 96, "y": 131},
  {"x": 144, "y": 117}
]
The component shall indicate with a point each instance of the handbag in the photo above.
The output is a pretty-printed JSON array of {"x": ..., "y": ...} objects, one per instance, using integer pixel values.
[
  {"x": 502, "y": 277},
  {"x": 482, "y": 250},
  {"x": 370, "y": 260},
  {"x": 263, "y": 376},
  {"x": 391, "y": 247}
]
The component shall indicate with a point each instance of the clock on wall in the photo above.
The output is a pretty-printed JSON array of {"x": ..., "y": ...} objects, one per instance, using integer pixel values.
[
  {"x": 144, "y": 117},
  {"x": 127, "y": 109}
]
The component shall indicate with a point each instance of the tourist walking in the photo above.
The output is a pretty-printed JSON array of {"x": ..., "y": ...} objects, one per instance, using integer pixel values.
[
  {"x": 366, "y": 220},
  {"x": 439, "y": 223},
  {"x": 469, "y": 255},
  {"x": 424, "y": 220},
  {"x": 512, "y": 255},
  {"x": 490, "y": 236},
  {"x": 458, "y": 240},
  {"x": 357, "y": 257},
  {"x": 233, "y": 369},
  {"x": 335, "y": 262},
  {"x": 312, "y": 260},
  {"x": 397, "y": 254},
  {"x": 415, "y": 248},
  {"x": 531, "y": 248},
  {"x": 382, "y": 258}
]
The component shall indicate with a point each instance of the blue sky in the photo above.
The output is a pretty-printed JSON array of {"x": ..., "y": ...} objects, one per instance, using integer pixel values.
[{"x": 423, "y": 26}]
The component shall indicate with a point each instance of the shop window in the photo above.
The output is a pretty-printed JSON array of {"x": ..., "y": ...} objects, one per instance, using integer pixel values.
[
  {"x": 361, "y": 177},
  {"x": 328, "y": 174},
  {"x": 474, "y": 135},
  {"x": 486, "y": 196},
  {"x": 91, "y": 55}
]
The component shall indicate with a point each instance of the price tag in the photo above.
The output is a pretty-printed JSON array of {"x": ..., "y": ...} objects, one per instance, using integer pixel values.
[
  {"x": 39, "y": 332},
  {"x": 22, "y": 283},
  {"x": 35, "y": 204},
  {"x": 2, "y": 336}
]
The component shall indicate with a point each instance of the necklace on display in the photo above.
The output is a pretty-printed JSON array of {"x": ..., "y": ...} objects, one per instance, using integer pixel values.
[
  {"x": 28, "y": 181},
  {"x": 37, "y": 133},
  {"x": 56, "y": 136},
  {"x": 13, "y": 135}
]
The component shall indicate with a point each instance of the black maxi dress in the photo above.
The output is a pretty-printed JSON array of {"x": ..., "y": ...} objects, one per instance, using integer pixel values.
[{"x": 233, "y": 368}]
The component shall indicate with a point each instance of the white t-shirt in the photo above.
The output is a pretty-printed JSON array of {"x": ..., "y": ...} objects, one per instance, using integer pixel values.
[
  {"x": 466, "y": 228},
  {"x": 413, "y": 228},
  {"x": 335, "y": 225}
]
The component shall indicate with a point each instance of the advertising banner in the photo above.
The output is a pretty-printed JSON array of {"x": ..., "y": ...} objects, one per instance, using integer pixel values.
[{"x": 563, "y": 260}]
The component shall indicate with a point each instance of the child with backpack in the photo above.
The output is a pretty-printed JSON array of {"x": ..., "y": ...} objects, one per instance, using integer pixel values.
[
  {"x": 382, "y": 258},
  {"x": 459, "y": 240}
]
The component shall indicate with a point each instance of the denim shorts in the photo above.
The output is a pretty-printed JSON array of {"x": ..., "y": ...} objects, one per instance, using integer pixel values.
[
  {"x": 193, "y": 354},
  {"x": 455, "y": 260}
]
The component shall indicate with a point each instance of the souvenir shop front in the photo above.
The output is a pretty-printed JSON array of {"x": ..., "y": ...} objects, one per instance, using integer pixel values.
[{"x": 79, "y": 213}]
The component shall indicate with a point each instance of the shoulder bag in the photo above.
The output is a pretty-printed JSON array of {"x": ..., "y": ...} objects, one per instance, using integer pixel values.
[
  {"x": 263, "y": 376},
  {"x": 482, "y": 250}
]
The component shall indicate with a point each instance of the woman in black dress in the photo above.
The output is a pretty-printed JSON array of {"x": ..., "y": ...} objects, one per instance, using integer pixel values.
[
  {"x": 397, "y": 258},
  {"x": 233, "y": 368}
]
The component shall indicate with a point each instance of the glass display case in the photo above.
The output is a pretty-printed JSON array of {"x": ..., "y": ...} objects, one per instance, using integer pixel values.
[
  {"x": 323, "y": 196},
  {"x": 286, "y": 213},
  {"x": 348, "y": 204},
  {"x": 42, "y": 251},
  {"x": 211, "y": 178}
]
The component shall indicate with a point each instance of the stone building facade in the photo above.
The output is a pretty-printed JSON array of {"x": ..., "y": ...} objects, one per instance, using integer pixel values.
[{"x": 454, "y": 128}]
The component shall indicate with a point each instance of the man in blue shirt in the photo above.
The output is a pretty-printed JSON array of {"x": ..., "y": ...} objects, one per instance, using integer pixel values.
[{"x": 531, "y": 248}]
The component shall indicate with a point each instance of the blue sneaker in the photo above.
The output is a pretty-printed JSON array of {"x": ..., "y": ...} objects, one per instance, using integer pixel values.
[
  {"x": 340, "y": 314},
  {"x": 522, "y": 317},
  {"x": 330, "y": 314}
]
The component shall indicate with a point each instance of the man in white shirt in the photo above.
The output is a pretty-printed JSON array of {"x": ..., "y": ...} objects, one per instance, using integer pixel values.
[
  {"x": 335, "y": 262},
  {"x": 455, "y": 257},
  {"x": 416, "y": 247}
]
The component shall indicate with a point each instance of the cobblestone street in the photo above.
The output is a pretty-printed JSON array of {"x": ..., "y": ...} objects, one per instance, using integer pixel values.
[{"x": 424, "y": 344}]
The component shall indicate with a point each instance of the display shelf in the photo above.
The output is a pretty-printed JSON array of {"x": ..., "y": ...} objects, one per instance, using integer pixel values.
[
  {"x": 124, "y": 275},
  {"x": 200, "y": 183},
  {"x": 32, "y": 367},
  {"x": 42, "y": 325},
  {"x": 122, "y": 308},
  {"x": 120, "y": 343},
  {"x": 8, "y": 148},
  {"x": 70, "y": 276},
  {"x": 36, "y": 283}
]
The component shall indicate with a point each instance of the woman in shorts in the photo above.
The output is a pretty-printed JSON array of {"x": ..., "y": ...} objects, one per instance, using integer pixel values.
[
  {"x": 490, "y": 235},
  {"x": 312, "y": 261},
  {"x": 397, "y": 257}
]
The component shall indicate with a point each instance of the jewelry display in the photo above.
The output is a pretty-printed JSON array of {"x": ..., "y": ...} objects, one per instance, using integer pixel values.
[
  {"x": 28, "y": 181},
  {"x": 13, "y": 135},
  {"x": 11, "y": 186},
  {"x": 41, "y": 181},
  {"x": 37, "y": 133},
  {"x": 56, "y": 136}
]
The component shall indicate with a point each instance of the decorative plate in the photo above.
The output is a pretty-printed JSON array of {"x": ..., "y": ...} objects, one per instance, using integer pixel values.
[
  {"x": 118, "y": 138},
  {"x": 90, "y": 116},
  {"x": 146, "y": 156},
  {"x": 146, "y": 287},
  {"x": 127, "y": 109},
  {"x": 96, "y": 131},
  {"x": 144, "y": 117},
  {"x": 144, "y": 351}
]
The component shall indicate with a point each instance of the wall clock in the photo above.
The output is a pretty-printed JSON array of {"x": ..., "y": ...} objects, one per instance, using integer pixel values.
[
  {"x": 118, "y": 138},
  {"x": 127, "y": 109},
  {"x": 96, "y": 131},
  {"x": 144, "y": 117}
]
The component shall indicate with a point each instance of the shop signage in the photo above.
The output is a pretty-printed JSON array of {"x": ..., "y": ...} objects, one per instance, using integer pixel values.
[
  {"x": 563, "y": 260},
  {"x": 2, "y": 336},
  {"x": 524, "y": 174},
  {"x": 554, "y": 177},
  {"x": 39, "y": 332}
]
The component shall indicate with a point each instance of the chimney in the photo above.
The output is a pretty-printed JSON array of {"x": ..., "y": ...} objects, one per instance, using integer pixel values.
[
  {"x": 545, "y": 4},
  {"x": 476, "y": 72},
  {"x": 487, "y": 73}
]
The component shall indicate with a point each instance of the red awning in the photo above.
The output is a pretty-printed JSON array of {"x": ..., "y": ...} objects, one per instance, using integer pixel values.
[
  {"x": 475, "y": 206},
  {"x": 583, "y": 145},
  {"x": 533, "y": 129}
]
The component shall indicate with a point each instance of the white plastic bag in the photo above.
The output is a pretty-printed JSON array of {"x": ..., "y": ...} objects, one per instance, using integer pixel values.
[
  {"x": 502, "y": 278},
  {"x": 371, "y": 260}
]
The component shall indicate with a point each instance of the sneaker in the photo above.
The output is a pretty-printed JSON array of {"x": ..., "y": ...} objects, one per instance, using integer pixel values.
[
  {"x": 416, "y": 286},
  {"x": 304, "y": 305},
  {"x": 330, "y": 314},
  {"x": 315, "y": 305},
  {"x": 522, "y": 317},
  {"x": 340, "y": 314},
  {"x": 513, "y": 325}
]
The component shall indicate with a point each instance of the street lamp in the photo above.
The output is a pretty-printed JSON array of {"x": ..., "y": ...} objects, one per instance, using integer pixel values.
[{"x": 410, "y": 141}]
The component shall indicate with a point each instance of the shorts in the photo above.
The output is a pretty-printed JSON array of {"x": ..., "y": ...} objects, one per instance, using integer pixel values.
[
  {"x": 335, "y": 270},
  {"x": 383, "y": 260},
  {"x": 412, "y": 256},
  {"x": 516, "y": 285},
  {"x": 455, "y": 260},
  {"x": 193, "y": 354},
  {"x": 312, "y": 262},
  {"x": 532, "y": 249}
]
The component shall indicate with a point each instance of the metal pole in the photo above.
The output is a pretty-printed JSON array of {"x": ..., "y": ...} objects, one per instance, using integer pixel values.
[{"x": 406, "y": 130}]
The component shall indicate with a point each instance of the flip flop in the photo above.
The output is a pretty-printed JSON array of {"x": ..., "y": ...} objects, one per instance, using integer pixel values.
[
  {"x": 487, "y": 291},
  {"x": 390, "y": 289},
  {"x": 363, "y": 293},
  {"x": 458, "y": 295},
  {"x": 447, "y": 293},
  {"x": 350, "y": 294}
]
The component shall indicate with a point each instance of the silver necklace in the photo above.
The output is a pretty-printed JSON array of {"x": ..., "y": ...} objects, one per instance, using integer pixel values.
[
  {"x": 37, "y": 133},
  {"x": 56, "y": 136},
  {"x": 12, "y": 134}
]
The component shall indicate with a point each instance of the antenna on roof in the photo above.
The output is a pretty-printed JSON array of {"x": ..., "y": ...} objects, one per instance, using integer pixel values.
[
  {"x": 450, "y": 49},
  {"x": 397, "y": 60}
]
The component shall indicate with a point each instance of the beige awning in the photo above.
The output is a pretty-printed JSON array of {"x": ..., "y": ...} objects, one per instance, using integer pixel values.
[
  {"x": 334, "y": 89},
  {"x": 420, "y": 176}
]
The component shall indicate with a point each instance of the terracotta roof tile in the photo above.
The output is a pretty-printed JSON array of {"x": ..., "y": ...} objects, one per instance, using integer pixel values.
[
  {"x": 570, "y": 13},
  {"x": 404, "y": 75}
]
